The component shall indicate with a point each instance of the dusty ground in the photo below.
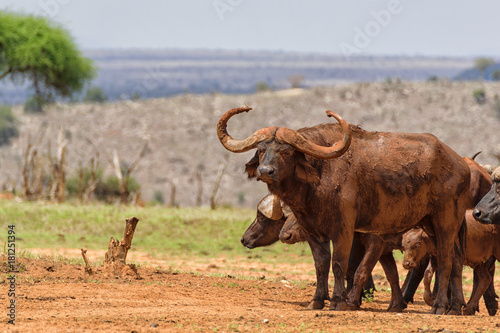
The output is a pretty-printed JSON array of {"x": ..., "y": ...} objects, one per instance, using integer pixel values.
[{"x": 219, "y": 295}]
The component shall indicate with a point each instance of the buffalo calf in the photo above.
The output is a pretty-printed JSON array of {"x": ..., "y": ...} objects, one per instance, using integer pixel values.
[{"x": 481, "y": 250}]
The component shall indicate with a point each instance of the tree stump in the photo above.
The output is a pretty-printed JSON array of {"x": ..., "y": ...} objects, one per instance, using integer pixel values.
[{"x": 115, "y": 257}]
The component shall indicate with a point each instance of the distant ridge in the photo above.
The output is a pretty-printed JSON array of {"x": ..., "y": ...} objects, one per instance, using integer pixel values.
[
  {"x": 150, "y": 73},
  {"x": 474, "y": 74}
]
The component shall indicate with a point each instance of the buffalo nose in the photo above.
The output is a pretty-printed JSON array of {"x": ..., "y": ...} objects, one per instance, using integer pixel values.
[
  {"x": 242, "y": 240},
  {"x": 266, "y": 171},
  {"x": 408, "y": 265},
  {"x": 476, "y": 213},
  {"x": 285, "y": 237}
]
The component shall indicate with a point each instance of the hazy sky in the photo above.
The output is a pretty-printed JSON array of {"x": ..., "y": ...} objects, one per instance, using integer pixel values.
[{"x": 387, "y": 27}]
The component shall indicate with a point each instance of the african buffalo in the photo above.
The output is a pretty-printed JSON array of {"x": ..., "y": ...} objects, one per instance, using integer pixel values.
[
  {"x": 482, "y": 243},
  {"x": 338, "y": 179},
  {"x": 488, "y": 209},
  {"x": 480, "y": 184},
  {"x": 266, "y": 227},
  {"x": 367, "y": 249}
]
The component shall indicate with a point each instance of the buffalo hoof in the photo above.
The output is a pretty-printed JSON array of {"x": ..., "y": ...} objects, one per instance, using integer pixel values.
[
  {"x": 339, "y": 306},
  {"x": 453, "y": 312},
  {"x": 438, "y": 311},
  {"x": 316, "y": 305},
  {"x": 428, "y": 299},
  {"x": 469, "y": 310},
  {"x": 492, "y": 308},
  {"x": 492, "y": 312},
  {"x": 352, "y": 307},
  {"x": 396, "y": 308}
]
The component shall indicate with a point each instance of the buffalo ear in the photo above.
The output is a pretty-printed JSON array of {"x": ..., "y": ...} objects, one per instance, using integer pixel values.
[
  {"x": 306, "y": 172},
  {"x": 251, "y": 166}
]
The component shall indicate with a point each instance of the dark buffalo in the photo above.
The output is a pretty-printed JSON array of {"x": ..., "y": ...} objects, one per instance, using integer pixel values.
[
  {"x": 266, "y": 227},
  {"x": 338, "y": 179},
  {"x": 366, "y": 250},
  {"x": 488, "y": 209},
  {"x": 480, "y": 184},
  {"x": 482, "y": 245}
]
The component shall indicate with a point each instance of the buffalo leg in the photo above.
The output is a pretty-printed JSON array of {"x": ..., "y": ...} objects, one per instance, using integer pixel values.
[
  {"x": 342, "y": 242},
  {"x": 321, "y": 254},
  {"x": 388, "y": 263},
  {"x": 364, "y": 270},
  {"x": 457, "y": 296},
  {"x": 447, "y": 264},
  {"x": 483, "y": 281},
  {"x": 428, "y": 293},
  {"x": 355, "y": 257},
  {"x": 413, "y": 279},
  {"x": 490, "y": 297}
]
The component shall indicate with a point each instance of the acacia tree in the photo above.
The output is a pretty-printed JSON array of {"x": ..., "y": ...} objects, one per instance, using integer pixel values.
[
  {"x": 482, "y": 64},
  {"x": 37, "y": 50}
]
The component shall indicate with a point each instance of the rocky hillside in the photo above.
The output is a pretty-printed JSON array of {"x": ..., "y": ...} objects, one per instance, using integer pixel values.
[{"x": 182, "y": 136}]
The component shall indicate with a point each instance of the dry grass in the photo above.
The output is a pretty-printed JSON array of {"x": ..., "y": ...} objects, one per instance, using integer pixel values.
[{"x": 182, "y": 136}]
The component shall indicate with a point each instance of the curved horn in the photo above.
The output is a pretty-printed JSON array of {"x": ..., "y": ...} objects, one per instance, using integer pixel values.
[
  {"x": 242, "y": 146},
  {"x": 299, "y": 142},
  {"x": 277, "y": 210},
  {"x": 271, "y": 210},
  {"x": 495, "y": 176}
]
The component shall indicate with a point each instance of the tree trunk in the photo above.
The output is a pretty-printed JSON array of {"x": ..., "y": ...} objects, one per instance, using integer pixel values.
[{"x": 213, "y": 200}]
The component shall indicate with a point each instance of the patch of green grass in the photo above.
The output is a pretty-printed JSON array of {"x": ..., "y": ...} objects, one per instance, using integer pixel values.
[{"x": 161, "y": 231}]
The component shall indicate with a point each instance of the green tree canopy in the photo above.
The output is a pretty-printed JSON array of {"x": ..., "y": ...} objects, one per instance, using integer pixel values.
[
  {"x": 95, "y": 94},
  {"x": 35, "y": 49},
  {"x": 481, "y": 64}
]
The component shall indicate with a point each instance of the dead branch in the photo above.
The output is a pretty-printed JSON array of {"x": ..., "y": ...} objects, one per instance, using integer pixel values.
[
  {"x": 32, "y": 179},
  {"x": 59, "y": 165},
  {"x": 200, "y": 188},
  {"x": 88, "y": 268},
  {"x": 91, "y": 186},
  {"x": 124, "y": 176},
  {"x": 213, "y": 202},
  {"x": 172, "y": 195}
]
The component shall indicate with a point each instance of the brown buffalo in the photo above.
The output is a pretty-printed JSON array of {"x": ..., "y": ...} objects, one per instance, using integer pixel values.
[
  {"x": 338, "y": 179},
  {"x": 367, "y": 249},
  {"x": 266, "y": 227},
  {"x": 482, "y": 244},
  {"x": 488, "y": 209},
  {"x": 480, "y": 182}
]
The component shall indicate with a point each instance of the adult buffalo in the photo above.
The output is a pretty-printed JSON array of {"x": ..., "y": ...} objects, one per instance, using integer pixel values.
[
  {"x": 338, "y": 179},
  {"x": 488, "y": 209}
]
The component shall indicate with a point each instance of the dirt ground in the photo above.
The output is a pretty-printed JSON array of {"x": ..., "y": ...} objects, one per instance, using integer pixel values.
[{"x": 218, "y": 295}]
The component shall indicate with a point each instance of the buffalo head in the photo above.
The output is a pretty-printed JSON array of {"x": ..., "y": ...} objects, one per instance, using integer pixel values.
[
  {"x": 416, "y": 245},
  {"x": 291, "y": 232},
  {"x": 281, "y": 151},
  {"x": 266, "y": 227},
  {"x": 488, "y": 209}
]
